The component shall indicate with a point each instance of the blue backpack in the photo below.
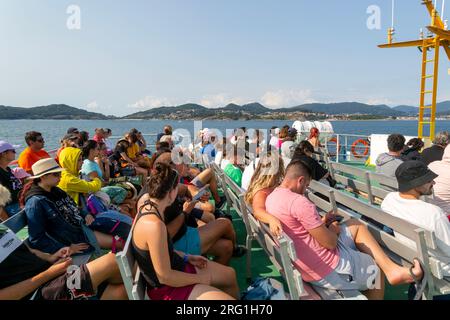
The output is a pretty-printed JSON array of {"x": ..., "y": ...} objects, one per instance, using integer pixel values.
[{"x": 260, "y": 289}]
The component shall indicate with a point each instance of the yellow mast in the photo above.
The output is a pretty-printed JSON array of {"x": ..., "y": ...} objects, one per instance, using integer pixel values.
[{"x": 428, "y": 98}]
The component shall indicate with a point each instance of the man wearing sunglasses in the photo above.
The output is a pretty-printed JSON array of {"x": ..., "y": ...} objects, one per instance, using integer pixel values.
[
  {"x": 8, "y": 180},
  {"x": 34, "y": 152}
]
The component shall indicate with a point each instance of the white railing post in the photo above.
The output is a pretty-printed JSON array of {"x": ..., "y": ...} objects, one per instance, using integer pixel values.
[{"x": 337, "y": 147}]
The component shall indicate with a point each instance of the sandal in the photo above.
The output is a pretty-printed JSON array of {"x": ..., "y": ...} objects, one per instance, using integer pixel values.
[
  {"x": 419, "y": 284},
  {"x": 239, "y": 251}
]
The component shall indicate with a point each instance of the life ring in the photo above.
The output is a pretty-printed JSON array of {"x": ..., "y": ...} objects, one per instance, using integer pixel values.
[
  {"x": 334, "y": 140},
  {"x": 355, "y": 146}
]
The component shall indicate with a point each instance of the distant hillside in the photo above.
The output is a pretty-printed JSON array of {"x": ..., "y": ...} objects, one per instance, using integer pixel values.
[
  {"x": 196, "y": 111},
  {"x": 442, "y": 108},
  {"x": 251, "y": 111},
  {"x": 254, "y": 108},
  {"x": 54, "y": 111},
  {"x": 345, "y": 108},
  {"x": 185, "y": 111},
  {"x": 258, "y": 111},
  {"x": 407, "y": 109}
]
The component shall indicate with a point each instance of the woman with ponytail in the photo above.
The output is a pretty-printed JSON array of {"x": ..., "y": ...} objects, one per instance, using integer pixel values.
[
  {"x": 314, "y": 135},
  {"x": 170, "y": 274}
]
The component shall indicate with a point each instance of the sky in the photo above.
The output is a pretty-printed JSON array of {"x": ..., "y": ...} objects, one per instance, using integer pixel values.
[{"x": 121, "y": 57}]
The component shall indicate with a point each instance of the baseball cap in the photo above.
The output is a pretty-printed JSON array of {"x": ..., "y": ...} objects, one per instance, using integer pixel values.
[
  {"x": 5, "y": 146},
  {"x": 72, "y": 130}
]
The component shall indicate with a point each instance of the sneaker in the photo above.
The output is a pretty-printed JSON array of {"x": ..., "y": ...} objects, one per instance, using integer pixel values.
[
  {"x": 221, "y": 203},
  {"x": 239, "y": 251}
]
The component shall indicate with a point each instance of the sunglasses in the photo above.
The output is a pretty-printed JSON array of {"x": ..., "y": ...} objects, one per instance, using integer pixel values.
[
  {"x": 55, "y": 174},
  {"x": 40, "y": 140}
]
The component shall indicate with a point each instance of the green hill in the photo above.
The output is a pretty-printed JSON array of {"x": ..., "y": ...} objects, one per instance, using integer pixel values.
[{"x": 54, "y": 111}]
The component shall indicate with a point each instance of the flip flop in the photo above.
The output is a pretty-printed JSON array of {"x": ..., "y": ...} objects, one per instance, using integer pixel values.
[{"x": 420, "y": 284}]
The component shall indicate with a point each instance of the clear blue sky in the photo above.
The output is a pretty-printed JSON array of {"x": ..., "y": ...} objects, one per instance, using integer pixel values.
[{"x": 134, "y": 55}]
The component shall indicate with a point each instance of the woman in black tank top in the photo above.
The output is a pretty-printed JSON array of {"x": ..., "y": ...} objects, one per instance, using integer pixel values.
[{"x": 173, "y": 275}]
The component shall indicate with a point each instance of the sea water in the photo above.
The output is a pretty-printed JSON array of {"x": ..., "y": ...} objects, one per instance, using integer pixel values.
[{"x": 13, "y": 131}]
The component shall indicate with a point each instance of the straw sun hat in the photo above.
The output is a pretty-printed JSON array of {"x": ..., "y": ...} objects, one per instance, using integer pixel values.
[{"x": 43, "y": 167}]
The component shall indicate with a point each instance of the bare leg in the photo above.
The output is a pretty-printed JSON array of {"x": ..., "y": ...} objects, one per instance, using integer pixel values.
[
  {"x": 222, "y": 250},
  {"x": 207, "y": 177},
  {"x": 223, "y": 278},
  {"x": 365, "y": 242},
  {"x": 207, "y": 206},
  {"x": 193, "y": 172},
  {"x": 105, "y": 269},
  {"x": 208, "y": 217},
  {"x": 105, "y": 241},
  {"x": 213, "y": 231}
]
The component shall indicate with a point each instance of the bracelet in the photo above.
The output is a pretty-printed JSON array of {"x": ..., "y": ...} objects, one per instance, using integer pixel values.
[{"x": 186, "y": 258}]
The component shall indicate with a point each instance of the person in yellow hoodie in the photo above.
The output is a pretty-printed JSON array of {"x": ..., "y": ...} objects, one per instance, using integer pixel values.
[{"x": 71, "y": 160}]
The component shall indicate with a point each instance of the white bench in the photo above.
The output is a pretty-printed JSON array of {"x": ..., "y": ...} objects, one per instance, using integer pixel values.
[
  {"x": 132, "y": 277},
  {"x": 283, "y": 255},
  {"x": 401, "y": 253},
  {"x": 280, "y": 252}
]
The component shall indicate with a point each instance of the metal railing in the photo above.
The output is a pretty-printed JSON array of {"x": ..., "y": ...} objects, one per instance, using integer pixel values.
[{"x": 347, "y": 147}]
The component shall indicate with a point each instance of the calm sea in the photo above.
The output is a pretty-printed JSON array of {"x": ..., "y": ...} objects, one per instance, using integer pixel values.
[{"x": 13, "y": 130}]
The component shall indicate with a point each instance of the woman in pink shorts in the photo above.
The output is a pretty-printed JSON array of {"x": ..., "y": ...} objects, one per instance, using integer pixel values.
[{"x": 173, "y": 275}]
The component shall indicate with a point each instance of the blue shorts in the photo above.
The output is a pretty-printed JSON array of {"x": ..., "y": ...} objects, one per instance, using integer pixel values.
[{"x": 189, "y": 243}]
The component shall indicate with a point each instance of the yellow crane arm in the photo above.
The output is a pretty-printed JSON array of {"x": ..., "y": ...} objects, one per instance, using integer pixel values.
[{"x": 413, "y": 43}]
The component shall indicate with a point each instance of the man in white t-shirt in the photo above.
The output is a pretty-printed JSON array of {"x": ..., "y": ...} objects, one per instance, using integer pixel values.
[
  {"x": 248, "y": 173},
  {"x": 416, "y": 180},
  {"x": 273, "y": 142}
]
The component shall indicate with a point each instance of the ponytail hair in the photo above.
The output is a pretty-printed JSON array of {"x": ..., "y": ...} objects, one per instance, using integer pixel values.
[
  {"x": 314, "y": 133},
  {"x": 163, "y": 180}
]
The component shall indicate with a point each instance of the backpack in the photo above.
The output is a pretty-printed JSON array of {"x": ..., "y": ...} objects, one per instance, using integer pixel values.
[
  {"x": 95, "y": 205},
  {"x": 263, "y": 289}
]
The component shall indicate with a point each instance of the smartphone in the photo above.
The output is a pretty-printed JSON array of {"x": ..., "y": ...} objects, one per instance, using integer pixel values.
[
  {"x": 336, "y": 218},
  {"x": 200, "y": 193}
]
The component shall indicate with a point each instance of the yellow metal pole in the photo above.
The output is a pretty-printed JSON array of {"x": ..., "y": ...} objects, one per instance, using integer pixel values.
[
  {"x": 390, "y": 35},
  {"x": 431, "y": 9},
  {"x": 422, "y": 88},
  {"x": 435, "y": 87}
]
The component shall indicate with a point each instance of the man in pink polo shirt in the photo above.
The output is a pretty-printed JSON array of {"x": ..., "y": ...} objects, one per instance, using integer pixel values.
[{"x": 341, "y": 257}]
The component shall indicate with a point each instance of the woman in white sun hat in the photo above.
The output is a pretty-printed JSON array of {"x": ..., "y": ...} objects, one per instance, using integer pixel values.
[{"x": 54, "y": 220}]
